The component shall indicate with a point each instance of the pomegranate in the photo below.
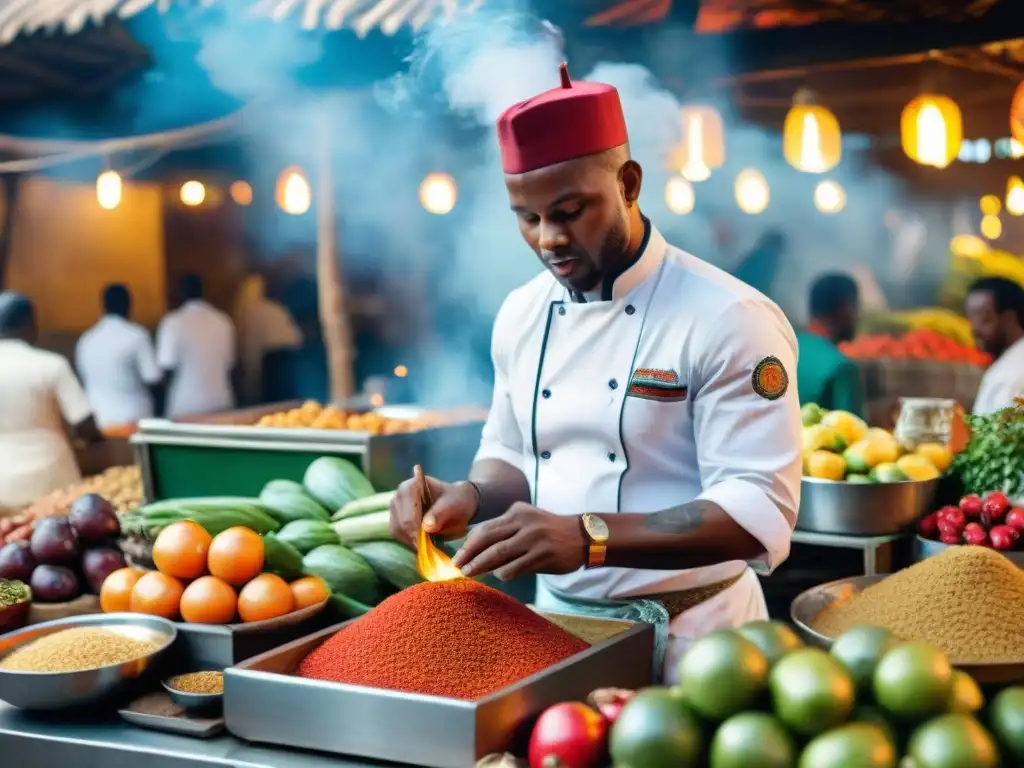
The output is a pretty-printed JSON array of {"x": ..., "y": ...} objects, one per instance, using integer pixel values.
[
  {"x": 971, "y": 505},
  {"x": 975, "y": 533},
  {"x": 610, "y": 701},
  {"x": 928, "y": 526},
  {"x": 953, "y": 523},
  {"x": 568, "y": 735},
  {"x": 994, "y": 507},
  {"x": 1003, "y": 537},
  {"x": 950, "y": 538},
  {"x": 1015, "y": 518}
]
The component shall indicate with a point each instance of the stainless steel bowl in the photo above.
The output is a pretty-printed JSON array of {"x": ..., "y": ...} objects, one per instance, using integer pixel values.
[
  {"x": 196, "y": 703},
  {"x": 925, "y": 548},
  {"x": 68, "y": 690},
  {"x": 863, "y": 509}
]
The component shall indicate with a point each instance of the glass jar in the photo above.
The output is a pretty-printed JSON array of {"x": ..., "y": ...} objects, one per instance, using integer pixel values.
[{"x": 924, "y": 420}]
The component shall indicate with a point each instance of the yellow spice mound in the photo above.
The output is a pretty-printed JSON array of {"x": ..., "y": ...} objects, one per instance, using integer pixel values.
[{"x": 968, "y": 601}]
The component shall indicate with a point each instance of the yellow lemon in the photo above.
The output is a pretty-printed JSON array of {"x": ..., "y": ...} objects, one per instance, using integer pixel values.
[
  {"x": 865, "y": 455},
  {"x": 851, "y": 428},
  {"x": 917, "y": 467},
  {"x": 821, "y": 438},
  {"x": 826, "y": 465},
  {"x": 937, "y": 454}
]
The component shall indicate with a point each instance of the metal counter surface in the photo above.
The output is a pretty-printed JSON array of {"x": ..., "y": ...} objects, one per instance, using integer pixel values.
[{"x": 33, "y": 741}]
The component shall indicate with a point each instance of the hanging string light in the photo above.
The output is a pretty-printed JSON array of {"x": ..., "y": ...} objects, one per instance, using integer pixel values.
[
  {"x": 752, "y": 193},
  {"x": 293, "y": 194},
  {"x": 241, "y": 193},
  {"x": 108, "y": 190},
  {"x": 679, "y": 196},
  {"x": 438, "y": 193},
  {"x": 931, "y": 130},
  {"x": 1015, "y": 196},
  {"x": 829, "y": 197},
  {"x": 811, "y": 139}
]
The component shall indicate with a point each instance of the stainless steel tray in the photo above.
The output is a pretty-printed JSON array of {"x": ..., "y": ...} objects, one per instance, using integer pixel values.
[
  {"x": 925, "y": 548},
  {"x": 868, "y": 509},
  {"x": 811, "y": 602},
  {"x": 265, "y": 702}
]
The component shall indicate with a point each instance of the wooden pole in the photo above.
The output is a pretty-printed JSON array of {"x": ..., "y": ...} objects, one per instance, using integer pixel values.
[{"x": 334, "y": 320}]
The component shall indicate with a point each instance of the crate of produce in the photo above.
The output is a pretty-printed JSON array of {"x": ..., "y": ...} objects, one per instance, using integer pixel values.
[{"x": 291, "y": 697}]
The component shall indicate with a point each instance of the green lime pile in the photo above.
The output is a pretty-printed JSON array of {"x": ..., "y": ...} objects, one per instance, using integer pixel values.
[{"x": 758, "y": 697}]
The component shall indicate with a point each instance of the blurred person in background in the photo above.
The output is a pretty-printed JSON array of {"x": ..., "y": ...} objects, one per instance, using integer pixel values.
[
  {"x": 195, "y": 347},
  {"x": 995, "y": 309},
  {"x": 824, "y": 374},
  {"x": 268, "y": 341},
  {"x": 117, "y": 363},
  {"x": 40, "y": 399}
]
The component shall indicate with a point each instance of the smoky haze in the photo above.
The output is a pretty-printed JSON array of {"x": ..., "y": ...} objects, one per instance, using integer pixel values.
[{"x": 438, "y": 114}]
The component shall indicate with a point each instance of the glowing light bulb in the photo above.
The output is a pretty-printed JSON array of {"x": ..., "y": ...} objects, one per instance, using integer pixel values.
[
  {"x": 752, "y": 193},
  {"x": 829, "y": 197},
  {"x": 679, "y": 196},
  {"x": 1015, "y": 196},
  {"x": 931, "y": 136},
  {"x": 991, "y": 227},
  {"x": 193, "y": 193},
  {"x": 108, "y": 190},
  {"x": 401, "y": 371},
  {"x": 990, "y": 205},
  {"x": 293, "y": 193},
  {"x": 695, "y": 169},
  {"x": 241, "y": 193},
  {"x": 438, "y": 193},
  {"x": 812, "y": 159}
]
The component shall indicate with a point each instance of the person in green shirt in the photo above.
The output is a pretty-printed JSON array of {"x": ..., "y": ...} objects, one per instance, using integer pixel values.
[{"x": 824, "y": 374}]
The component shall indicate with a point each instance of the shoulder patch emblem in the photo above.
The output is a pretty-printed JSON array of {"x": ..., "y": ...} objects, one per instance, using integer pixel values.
[{"x": 770, "y": 379}]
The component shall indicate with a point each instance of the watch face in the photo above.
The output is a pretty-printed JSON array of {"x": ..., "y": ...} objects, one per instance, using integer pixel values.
[{"x": 596, "y": 528}]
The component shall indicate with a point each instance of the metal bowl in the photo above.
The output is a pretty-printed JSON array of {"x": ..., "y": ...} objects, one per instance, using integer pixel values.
[
  {"x": 925, "y": 548},
  {"x": 195, "y": 703},
  {"x": 811, "y": 602},
  {"x": 14, "y": 616},
  {"x": 863, "y": 509},
  {"x": 69, "y": 690}
]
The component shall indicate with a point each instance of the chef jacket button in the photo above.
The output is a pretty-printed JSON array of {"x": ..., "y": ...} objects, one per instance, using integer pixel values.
[
  {"x": 630, "y": 309},
  {"x": 545, "y": 454},
  {"x": 613, "y": 384},
  {"x": 546, "y": 393},
  {"x": 561, "y": 310},
  {"x": 611, "y": 457}
]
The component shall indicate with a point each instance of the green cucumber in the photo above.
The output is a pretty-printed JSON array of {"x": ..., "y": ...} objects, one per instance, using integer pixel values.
[
  {"x": 365, "y": 505},
  {"x": 374, "y": 526},
  {"x": 306, "y": 535},
  {"x": 281, "y": 558},
  {"x": 345, "y": 572},
  {"x": 334, "y": 482},
  {"x": 287, "y": 501},
  {"x": 393, "y": 562}
]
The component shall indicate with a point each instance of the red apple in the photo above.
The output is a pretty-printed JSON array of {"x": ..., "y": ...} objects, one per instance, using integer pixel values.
[
  {"x": 568, "y": 735},
  {"x": 1015, "y": 518},
  {"x": 971, "y": 505},
  {"x": 928, "y": 526},
  {"x": 994, "y": 507},
  {"x": 975, "y": 534},
  {"x": 1004, "y": 537}
]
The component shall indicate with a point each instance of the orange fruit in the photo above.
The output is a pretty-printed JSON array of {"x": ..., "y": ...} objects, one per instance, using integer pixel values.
[
  {"x": 116, "y": 592},
  {"x": 209, "y": 600},
  {"x": 236, "y": 555},
  {"x": 265, "y": 597},
  {"x": 309, "y": 591},
  {"x": 180, "y": 550},
  {"x": 158, "y": 595}
]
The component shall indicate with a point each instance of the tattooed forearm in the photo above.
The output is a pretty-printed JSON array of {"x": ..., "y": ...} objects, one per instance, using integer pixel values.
[{"x": 681, "y": 519}]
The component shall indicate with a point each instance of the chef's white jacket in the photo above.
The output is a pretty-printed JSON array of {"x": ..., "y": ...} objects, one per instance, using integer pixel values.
[
  {"x": 197, "y": 342},
  {"x": 1003, "y": 381},
  {"x": 117, "y": 363},
  {"x": 564, "y": 412},
  {"x": 38, "y": 395}
]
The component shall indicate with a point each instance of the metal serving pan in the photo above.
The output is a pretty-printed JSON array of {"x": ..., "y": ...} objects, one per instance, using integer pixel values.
[
  {"x": 863, "y": 509},
  {"x": 265, "y": 702},
  {"x": 811, "y": 602}
]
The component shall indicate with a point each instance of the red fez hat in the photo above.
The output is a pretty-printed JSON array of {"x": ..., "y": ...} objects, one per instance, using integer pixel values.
[{"x": 574, "y": 120}]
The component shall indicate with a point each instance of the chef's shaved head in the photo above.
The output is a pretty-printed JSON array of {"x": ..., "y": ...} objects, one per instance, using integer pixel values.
[{"x": 17, "y": 317}]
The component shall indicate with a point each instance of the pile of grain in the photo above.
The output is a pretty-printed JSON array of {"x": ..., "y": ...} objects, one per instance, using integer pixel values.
[
  {"x": 968, "y": 601},
  {"x": 72, "y": 650},
  {"x": 458, "y": 639}
]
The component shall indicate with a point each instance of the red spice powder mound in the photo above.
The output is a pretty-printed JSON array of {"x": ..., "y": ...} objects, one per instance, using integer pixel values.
[{"x": 458, "y": 639}]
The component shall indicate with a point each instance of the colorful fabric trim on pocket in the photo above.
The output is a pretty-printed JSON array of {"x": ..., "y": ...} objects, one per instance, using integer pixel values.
[{"x": 657, "y": 384}]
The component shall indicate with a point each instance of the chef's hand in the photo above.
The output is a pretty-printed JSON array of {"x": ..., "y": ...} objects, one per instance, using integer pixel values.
[
  {"x": 453, "y": 508},
  {"x": 525, "y": 540}
]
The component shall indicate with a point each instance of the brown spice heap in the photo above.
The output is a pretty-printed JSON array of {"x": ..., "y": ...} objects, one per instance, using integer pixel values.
[
  {"x": 458, "y": 639},
  {"x": 72, "y": 650},
  {"x": 968, "y": 601},
  {"x": 198, "y": 682}
]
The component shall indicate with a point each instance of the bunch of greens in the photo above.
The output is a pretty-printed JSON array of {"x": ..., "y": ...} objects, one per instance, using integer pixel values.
[
  {"x": 994, "y": 457},
  {"x": 13, "y": 592}
]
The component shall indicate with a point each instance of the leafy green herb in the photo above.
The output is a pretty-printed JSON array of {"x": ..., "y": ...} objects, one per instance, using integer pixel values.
[
  {"x": 994, "y": 457},
  {"x": 12, "y": 592}
]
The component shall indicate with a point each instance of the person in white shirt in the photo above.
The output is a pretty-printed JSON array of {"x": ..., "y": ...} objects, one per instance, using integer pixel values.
[
  {"x": 117, "y": 363},
  {"x": 195, "y": 346},
  {"x": 40, "y": 399},
  {"x": 995, "y": 308},
  {"x": 267, "y": 336},
  {"x": 642, "y": 453}
]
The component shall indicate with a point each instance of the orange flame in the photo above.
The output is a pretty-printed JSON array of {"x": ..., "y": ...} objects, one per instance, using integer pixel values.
[{"x": 432, "y": 562}]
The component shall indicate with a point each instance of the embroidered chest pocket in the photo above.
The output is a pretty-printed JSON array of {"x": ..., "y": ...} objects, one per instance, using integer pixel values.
[
  {"x": 657, "y": 384},
  {"x": 657, "y": 407}
]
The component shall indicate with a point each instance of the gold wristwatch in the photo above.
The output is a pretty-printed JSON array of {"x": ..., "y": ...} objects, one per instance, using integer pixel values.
[{"x": 595, "y": 530}]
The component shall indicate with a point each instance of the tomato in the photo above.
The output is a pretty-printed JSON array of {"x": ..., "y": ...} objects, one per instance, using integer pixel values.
[
  {"x": 265, "y": 597},
  {"x": 309, "y": 591},
  {"x": 180, "y": 550},
  {"x": 158, "y": 595},
  {"x": 116, "y": 592},
  {"x": 209, "y": 600},
  {"x": 236, "y": 555},
  {"x": 569, "y": 734}
]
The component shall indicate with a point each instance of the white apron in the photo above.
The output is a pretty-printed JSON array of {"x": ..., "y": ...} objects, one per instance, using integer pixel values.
[{"x": 568, "y": 413}]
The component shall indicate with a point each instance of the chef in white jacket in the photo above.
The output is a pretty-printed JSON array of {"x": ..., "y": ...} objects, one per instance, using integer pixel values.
[{"x": 642, "y": 451}]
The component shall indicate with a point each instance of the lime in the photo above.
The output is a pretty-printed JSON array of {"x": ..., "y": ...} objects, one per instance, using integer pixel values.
[
  {"x": 860, "y": 650},
  {"x": 773, "y": 638},
  {"x": 965, "y": 697},
  {"x": 722, "y": 674},
  {"x": 859, "y": 479},
  {"x": 913, "y": 680},
  {"x": 752, "y": 738},
  {"x": 655, "y": 730},
  {"x": 811, "y": 413},
  {"x": 1006, "y": 716},
  {"x": 953, "y": 741},
  {"x": 858, "y": 745},
  {"x": 811, "y": 691},
  {"x": 888, "y": 473}
]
